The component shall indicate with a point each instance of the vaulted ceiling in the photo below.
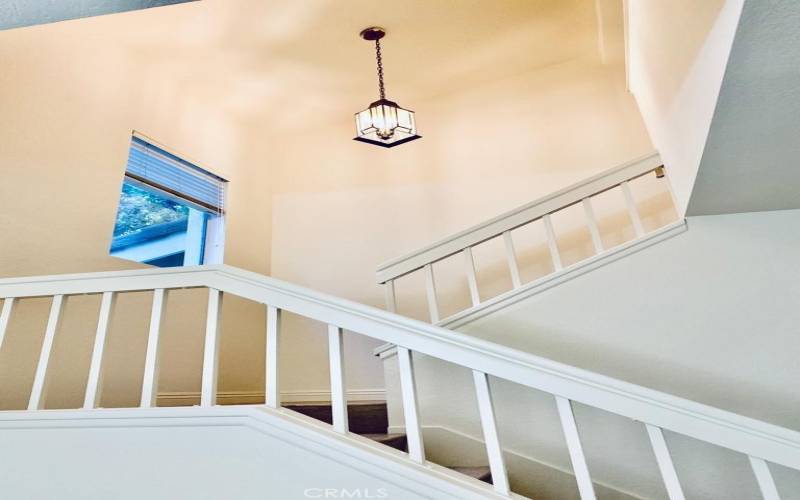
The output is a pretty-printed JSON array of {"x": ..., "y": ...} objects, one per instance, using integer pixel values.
[{"x": 297, "y": 62}]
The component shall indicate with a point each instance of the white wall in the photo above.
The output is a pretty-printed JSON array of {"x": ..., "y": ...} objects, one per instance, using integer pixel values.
[
  {"x": 199, "y": 459},
  {"x": 709, "y": 315},
  {"x": 167, "y": 463},
  {"x": 678, "y": 52}
]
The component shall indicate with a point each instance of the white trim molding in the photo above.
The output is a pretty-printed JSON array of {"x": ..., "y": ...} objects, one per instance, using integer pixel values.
[
  {"x": 189, "y": 398},
  {"x": 517, "y": 217}
]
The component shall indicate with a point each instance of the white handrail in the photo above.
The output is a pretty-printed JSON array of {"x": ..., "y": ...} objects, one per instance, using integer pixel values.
[
  {"x": 517, "y": 217},
  {"x": 749, "y": 436}
]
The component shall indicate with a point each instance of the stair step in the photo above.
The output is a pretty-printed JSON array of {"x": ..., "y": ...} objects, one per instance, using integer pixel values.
[
  {"x": 371, "y": 421},
  {"x": 396, "y": 441},
  {"x": 481, "y": 473},
  {"x": 362, "y": 418},
  {"x": 400, "y": 442}
]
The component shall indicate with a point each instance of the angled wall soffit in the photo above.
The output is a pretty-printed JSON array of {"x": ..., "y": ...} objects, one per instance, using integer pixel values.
[{"x": 19, "y": 13}]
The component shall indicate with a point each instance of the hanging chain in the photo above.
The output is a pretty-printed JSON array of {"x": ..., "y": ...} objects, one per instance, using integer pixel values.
[{"x": 381, "y": 88}]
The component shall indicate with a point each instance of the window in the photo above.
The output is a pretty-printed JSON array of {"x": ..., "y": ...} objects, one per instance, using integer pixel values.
[{"x": 171, "y": 212}]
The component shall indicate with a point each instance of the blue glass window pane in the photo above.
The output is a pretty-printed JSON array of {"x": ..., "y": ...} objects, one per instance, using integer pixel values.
[
  {"x": 140, "y": 209},
  {"x": 152, "y": 228}
]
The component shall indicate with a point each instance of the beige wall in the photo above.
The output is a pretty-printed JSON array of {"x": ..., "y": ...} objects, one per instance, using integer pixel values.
[
  {"x": 70, "y": 103},
  {"x": 513, "y": 102}
]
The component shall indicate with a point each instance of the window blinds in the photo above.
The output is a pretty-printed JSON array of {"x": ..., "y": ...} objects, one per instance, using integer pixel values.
[{"x": 151, "y": 165}]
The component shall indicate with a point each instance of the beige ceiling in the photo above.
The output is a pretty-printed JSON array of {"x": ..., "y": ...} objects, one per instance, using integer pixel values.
[{"x": 295, "y": 63}]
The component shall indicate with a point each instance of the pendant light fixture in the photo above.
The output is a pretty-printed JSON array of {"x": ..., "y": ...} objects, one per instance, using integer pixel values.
[{"x": 384, "y": 123}]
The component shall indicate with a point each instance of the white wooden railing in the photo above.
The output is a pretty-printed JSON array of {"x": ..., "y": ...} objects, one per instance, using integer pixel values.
[
  {"x": 502, "y": 225},
  {"x": 760, "y": 441}
]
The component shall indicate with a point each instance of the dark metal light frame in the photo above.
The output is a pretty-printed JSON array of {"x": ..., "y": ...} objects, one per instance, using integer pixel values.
[{"x": 384, "y": 123}]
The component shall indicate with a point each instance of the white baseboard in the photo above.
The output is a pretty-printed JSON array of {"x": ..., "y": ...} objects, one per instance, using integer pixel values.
[
  {"x": 188, "y": 398},
  {"x": 353, "y": 396}
]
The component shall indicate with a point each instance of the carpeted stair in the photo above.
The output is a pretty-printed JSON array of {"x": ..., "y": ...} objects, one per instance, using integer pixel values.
[{"x": 372, "y": 421}]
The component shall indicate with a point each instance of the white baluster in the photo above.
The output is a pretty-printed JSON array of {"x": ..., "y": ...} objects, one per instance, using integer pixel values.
[
  {"x": 511, "y": 258},
  {"x": 338, "y": 396},
  {"x": 39, "y": 390},
  {"x": 592, "y": 223},
  {"x": 430, "y": 290},
  {"x": 489, "y": 424},
  {"x": 764, "y": 477},
  {"x": 665, "y": 464},
  {"x": 472, "y": 279},
  {"x": 633, "y": 211},
  {"x": 150, "y": 378},
  {"x": 391, "y": 297},
  {"x": 95, "y": 381},
  {"x": 272, "y": 388},
  {"x": 585, "y": 486},
  {"x": 552, "y": 244},
  {"x": 208, "y": 390},
  {"x": 5, "y": 316},
  {"x": 416, "y": 449}
]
